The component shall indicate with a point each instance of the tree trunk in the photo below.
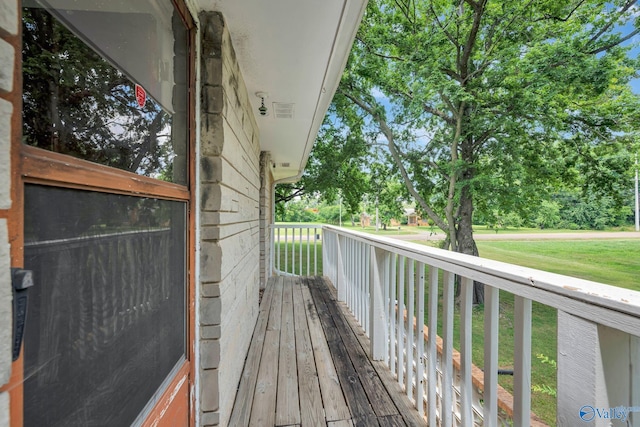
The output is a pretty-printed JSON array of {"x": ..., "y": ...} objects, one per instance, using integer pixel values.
[{"x": 465, "y": 242}]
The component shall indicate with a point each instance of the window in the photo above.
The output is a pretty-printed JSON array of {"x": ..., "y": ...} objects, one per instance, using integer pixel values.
[{"x": 107, "y": 82}]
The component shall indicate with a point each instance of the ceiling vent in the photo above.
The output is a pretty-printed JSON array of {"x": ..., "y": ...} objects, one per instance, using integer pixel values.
[
  {"x": 285, "y": 165},
  {"x": 283, "y": 110}
]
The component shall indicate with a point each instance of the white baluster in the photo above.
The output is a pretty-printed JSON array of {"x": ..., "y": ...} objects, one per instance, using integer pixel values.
[
  {"x": 420, "y": 341},
  {"x": 401, "y": 322},
  {"x": 409, "y": 381},
  {"x": 466, "y": 386},
  {"x": 432, "y": 356},
  {"x": 491, "y": 319},
  {"x": 447, "y": 354}
]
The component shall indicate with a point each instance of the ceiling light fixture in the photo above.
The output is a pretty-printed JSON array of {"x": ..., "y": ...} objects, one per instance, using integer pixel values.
[{"x": 262, "y": 109}]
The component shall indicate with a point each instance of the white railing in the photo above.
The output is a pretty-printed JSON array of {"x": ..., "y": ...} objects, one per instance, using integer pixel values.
[
  {"x": 296, "y": 249},
  {"x": 384, "y": 281}
]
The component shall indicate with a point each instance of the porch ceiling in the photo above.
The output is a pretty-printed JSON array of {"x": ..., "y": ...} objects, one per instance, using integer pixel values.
[{"x": 295, "y": 51}]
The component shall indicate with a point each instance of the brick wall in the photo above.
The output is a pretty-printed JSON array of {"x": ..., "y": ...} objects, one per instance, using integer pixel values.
[
  {"x": 8, "y": 99},
  {"x": 229, "y": 193}
]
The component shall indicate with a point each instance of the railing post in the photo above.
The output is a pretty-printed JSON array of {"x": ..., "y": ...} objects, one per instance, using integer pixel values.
[
  {"x": 448, "y": 288},
  {"x": 522, "y": 362},
  {"x": 341, "y": 282},
  {"x": 432, "y": 359},
  {"x": 272, "y": 237},
  {"x": 377, "y": 318},
  {"x": 466, "y": 386},
  {"x": 580, "y": 373},
  {"x": 491, "y": 329},
  {"x": 329, "y": 261}
]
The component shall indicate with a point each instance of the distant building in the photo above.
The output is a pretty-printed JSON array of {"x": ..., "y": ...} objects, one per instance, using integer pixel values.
[
  {"x": 365, "y": 220},
  {"x": 413, "y": 219}
]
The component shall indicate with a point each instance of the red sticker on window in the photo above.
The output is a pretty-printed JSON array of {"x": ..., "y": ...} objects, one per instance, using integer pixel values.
[{"x": 141, "y": 95}]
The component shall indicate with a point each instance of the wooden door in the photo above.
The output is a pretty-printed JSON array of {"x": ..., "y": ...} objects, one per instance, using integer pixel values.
[{"x": 102, "y": 215}]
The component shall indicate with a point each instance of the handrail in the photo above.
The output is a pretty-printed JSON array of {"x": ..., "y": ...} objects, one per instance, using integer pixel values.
[
  {"x": 535, "y": 284},
  {"x": 383, "y": 282}
]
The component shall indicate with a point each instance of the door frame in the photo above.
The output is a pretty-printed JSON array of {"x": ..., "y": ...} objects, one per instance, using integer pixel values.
[{"x": 30, "y": 165}]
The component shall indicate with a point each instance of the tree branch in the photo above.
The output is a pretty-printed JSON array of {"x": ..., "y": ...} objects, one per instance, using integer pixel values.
[
  {"x": 606, "y": 28},
  {"x": 288, "y": 198},
  {"x": 427, "y": 108},
  {"x": 556, "y": 18},
  {"x": 443, "y": 28},
  {"x": 613, "y": 44},
  {"x": 473, "y": 35},
  {"x": 405, "y": 11},
  {"x": 393, "y": 149},
  {"x": 379, "y": 55},
  {"x": 452, "y": 74}
]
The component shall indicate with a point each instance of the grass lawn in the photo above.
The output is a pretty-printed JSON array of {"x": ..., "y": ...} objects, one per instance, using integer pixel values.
[
  {"x": 402, "y": 230},
  {"x": 481, "y": 229},
  {"x": 289, "y": 254},
  {"x": 614, "y": 262}
]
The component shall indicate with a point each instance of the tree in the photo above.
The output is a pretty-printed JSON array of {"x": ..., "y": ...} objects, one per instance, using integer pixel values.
[
  {"x": 336, "y": 168},
  {"x": 476, "y": 100},
  {"x": 386, "y": 193},
  {"x": 548, "y": 215}
]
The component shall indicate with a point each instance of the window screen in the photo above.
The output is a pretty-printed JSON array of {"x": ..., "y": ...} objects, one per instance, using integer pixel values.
[{"x": 106, "y": 322}]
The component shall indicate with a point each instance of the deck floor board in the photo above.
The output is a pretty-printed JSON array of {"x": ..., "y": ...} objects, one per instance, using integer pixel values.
[{"x": 307, "y": 365}]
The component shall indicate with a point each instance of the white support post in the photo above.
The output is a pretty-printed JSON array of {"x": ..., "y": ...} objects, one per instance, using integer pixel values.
[
  {"x": 286, "y": 250},
  {"x": 366, "y": 294},
  {"x": 466, "y": 386},
  {"x": 392, "y": 314},
  {"x": 293, "y": 251},
  {"x": 522, "y": 362},
  {"x": 359, "y": 283},
  {"x": 377, "y": 317},
  {"x": 271, "y": 252},
  {"x": 278, "y": 251},
  {"x": 491, "y": 318},
  {"x": 432, "y": 355},
  {"x": 447, "y": 353},
  {"x": 420, "y": 341},
  {"x": 301, "y": 264},
  {"x": 386, "y": 281},
  {"x": 326, "y": 255},
  {"x": 401, "y": 321},
  {"x": 308, "y": 252},
  {"x": 340, "y": 275},
  {"x": 350, "y": 265},
  {"x": 409, "y": 379},
  {"x": 580, "y": 373}
]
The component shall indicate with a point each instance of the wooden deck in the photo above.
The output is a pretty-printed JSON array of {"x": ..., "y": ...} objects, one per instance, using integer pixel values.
[{"x": 307, "y": 366}]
